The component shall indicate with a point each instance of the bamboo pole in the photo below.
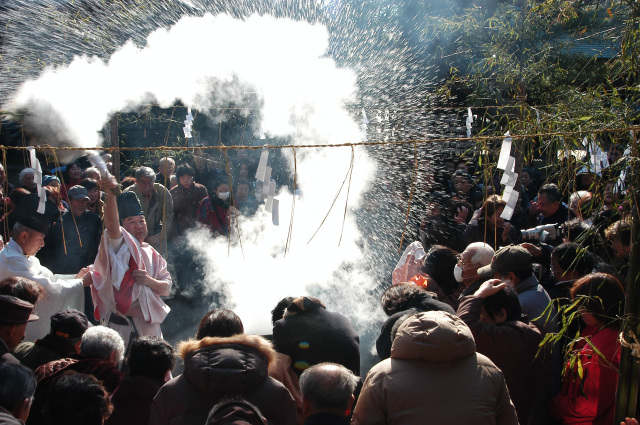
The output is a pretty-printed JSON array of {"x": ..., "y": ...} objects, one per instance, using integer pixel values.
[{"x": 629, "y": 370}]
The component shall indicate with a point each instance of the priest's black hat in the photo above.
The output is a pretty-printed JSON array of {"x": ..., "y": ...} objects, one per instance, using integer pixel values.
[
  {"x": 128, "y": 205},
  {"x": 37, "y": 222}
]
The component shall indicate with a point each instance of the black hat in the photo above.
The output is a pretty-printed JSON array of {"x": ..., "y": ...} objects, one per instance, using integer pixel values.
[
  {"x": 15, "y": 311},
  {"x": 36, "y": 222},
  {"x": 69, "y": 323},
  {"x": 128, "y": 205}
]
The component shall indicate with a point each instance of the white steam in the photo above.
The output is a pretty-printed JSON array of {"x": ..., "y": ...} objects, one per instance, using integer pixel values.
[{"x": 303, "y": 96}]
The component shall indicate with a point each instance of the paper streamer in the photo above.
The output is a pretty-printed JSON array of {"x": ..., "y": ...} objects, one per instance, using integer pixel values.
[
  {"x": 35, "y": 164},
  {"x": 262, "y": 165},
  {"x": 43, "y": 201},
  {"x": 505, "y": 152},
  {"x": 269, "y": 204},
  {"x": 469, "y": 122},
  {"x": 507, "y": 193},
  {"x": 267, "y": 180},
  {"x": 188, "y": 124},
  {"x": 604, "y": 159},
  {"x": 620, "y": 187},
  {"x": 507, "y": 213},
  {"x": 271, "y": 192},
  {"x": 508, "y": 171},
  {"x": 275, "y": 215},
  {"x": 512, "y": 200}
]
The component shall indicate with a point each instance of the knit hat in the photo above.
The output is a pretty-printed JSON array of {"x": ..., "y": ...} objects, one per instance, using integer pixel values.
[
  {"x": 510, "y": 258},
  {"x": 46, "y": 180}
]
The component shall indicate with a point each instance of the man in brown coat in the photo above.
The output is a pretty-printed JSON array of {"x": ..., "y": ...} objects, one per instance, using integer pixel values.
[{"x": 433, "y": 375}]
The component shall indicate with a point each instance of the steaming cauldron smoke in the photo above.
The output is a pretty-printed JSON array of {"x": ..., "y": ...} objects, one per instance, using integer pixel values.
[{"x": 303, "y": 95}]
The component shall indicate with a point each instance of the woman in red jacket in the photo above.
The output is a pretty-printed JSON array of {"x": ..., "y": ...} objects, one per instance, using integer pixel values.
[{"x": 589, "y": 385}]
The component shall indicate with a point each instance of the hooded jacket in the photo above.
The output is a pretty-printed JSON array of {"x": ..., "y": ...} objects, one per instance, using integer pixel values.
[
  {"x": 218, "y": 367},
  {"x": 434, "y": 373}
]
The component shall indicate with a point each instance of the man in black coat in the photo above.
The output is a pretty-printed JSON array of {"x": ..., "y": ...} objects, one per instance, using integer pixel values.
[
  {"x": 310, "y": 334},
  {"x": 74, "y": 238},
  {"x": 67, "y": 328}
]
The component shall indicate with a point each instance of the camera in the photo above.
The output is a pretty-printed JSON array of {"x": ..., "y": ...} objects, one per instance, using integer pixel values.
[{"x": 542, "y": 233}]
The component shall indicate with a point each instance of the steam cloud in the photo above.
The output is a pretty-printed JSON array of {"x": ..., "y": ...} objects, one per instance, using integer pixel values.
[{"x": 303, "y": 96}]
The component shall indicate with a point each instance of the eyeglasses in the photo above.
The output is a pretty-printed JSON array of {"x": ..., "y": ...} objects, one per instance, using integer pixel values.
[{"x": 459, "y": 258}]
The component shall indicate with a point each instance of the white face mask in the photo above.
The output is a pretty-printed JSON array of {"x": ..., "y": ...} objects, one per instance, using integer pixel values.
[
  {"x": 457, "y": 273},
  {"x": 223, "y": 195}
]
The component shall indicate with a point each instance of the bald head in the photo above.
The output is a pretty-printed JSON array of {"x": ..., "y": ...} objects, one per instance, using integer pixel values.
[
  {"x": 482, "y": 253},
  {"x": 327, "y": 387},
  {"x": 475, "y": 255}
]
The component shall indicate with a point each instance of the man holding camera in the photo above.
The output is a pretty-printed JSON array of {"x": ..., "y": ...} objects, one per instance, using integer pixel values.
[{"x": 549, "y": 208}]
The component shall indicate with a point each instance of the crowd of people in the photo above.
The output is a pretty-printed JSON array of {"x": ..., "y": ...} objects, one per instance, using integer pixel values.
[{"x": 491, "y": 319}]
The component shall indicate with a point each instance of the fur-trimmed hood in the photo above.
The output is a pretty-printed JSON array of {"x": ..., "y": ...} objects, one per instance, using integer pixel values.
[{"x": 235, "y": 364}]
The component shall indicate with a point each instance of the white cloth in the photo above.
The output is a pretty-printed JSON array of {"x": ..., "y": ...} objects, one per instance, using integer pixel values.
[
  {"x": 63, "y": 291},
  {"x": 147, "y": 308}
]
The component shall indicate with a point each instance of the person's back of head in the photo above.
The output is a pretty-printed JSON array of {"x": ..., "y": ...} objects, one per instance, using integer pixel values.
[
  {"x": 100, "y": 342},
  {"x": 22, "y": 288},
  {"x": 151, "y": 357},
  {"x": 17, "y": 386},
  {"x": 127, "y": 182},
  {"x": 327, "y": 388},
  {"x": 439, "y": 264},
  {"x": 619, "y": 231},
  {"x": 235, "y": 411},
  {"x": 220, "y": 322},
  {"x": 76, "y": 399},
  {"x": 408, "y": 295},
  {"x": 602, "y": 296},
  {"x": 579, "y": 231},
  {"x": 278, "y": 311},
  {"x": 506, "y": 300},
  {"x": 572, "y": 257}
]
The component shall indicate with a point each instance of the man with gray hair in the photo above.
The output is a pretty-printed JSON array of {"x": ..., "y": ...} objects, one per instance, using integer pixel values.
[
  {"x": 474, "y": 256},
  {"x": 27, "y": 179},
  {"x": 327, "y": 394},
  {"x": 101, "y": 349},
  {"x": 157, "y": 207}
]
